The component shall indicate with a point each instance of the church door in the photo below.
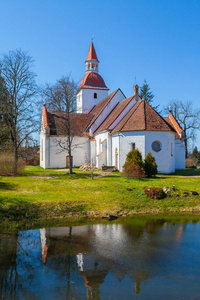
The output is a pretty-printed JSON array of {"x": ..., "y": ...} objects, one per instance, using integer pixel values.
[{"x": 67, "y": 161}]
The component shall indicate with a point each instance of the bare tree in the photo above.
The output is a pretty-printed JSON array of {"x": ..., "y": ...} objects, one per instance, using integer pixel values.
[
  {"x": 61, "y": 97},
  {"x": 16, "y": 68},
  {"x": 188, "y": 118},
  {"x": 4, "y": 133}
]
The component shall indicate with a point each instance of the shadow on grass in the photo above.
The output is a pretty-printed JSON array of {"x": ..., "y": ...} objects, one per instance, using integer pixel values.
[{"x": 7, "y": 186}]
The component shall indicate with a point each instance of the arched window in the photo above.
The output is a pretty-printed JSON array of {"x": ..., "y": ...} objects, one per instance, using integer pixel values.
[{"x": 93, "y": 66}]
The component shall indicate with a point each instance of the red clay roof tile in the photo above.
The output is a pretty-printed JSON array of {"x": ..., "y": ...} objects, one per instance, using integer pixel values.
[
  {"x": 175, "y": 124},
  {"x": 92, "y": 53},
  {"x": 78, "y": 123},
  {"x": 142, "y": 117},
  {"x": 45, "y": 117},
  {"x": 167, "y": 119},
  {"x": 92, "y": 80}
]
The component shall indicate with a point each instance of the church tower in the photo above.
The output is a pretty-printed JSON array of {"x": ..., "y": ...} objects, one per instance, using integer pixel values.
[{"x": 92, "y": 88}]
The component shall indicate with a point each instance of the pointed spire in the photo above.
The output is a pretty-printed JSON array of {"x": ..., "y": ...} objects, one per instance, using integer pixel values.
[{"x": 92, "y": 53}]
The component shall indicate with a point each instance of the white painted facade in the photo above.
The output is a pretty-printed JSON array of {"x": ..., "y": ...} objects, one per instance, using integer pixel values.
[
  {"x": 118, "y": 97},
  {"x": 52, "y": 156},
  {"x": 86, "y": 100},
  {"x": 179, "y": 155},
  {"x": 104, "y": 148}
]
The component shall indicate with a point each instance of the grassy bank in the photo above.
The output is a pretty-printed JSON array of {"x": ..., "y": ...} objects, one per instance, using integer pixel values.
[{"x": 47, "y": 194}]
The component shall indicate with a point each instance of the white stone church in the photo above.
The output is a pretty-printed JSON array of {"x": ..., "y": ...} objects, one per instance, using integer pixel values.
[{"x": 107, "y": 126}]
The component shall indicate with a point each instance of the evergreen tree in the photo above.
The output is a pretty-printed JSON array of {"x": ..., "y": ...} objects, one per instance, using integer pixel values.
[
  {"x": 195, "y": 153},
  {"x": 145, "y": 92},
  {"x": 135, "y": 157},
  {"x": 150, "y": 166},
  {"x": 147, "y": 95}
]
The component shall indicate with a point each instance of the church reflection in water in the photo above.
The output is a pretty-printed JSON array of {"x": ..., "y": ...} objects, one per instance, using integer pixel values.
[{"x": 103, "y": 255}]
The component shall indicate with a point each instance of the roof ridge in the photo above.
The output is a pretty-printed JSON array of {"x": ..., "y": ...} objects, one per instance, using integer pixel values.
[{"x": 131, "y": 113}]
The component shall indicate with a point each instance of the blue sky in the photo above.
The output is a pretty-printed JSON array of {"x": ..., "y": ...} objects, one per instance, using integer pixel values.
[{"x": 156, "y": 40}]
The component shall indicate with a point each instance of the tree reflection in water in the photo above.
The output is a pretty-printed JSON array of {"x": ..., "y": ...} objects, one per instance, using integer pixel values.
[{"x": 92, "y": 261}]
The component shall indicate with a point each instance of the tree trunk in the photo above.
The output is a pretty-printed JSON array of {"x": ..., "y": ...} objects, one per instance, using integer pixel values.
[{"x": 186, "y": 150}]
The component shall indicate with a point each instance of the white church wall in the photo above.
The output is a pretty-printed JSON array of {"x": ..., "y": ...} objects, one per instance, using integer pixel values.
[
  {"x": 143, "y": 140},
  {"x": 127, "y": 139},
  {"x": 86, "y": 100},
  {"x": 165, "y": 158},
  {"x": 80, "y": 154},
  {"x": 115, "y": 148},
  {"x": 100, "y": 148},
  {"x": 118, "y": 97},
  {"x": 42, "y": 150},
  {"x": 124, "y": 112},
  {"x": 179, "y": 155},
  {"x": 92, "y": 151}
]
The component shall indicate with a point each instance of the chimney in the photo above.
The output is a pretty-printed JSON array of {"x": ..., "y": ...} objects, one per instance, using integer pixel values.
[{"x": 136, "y": 92}]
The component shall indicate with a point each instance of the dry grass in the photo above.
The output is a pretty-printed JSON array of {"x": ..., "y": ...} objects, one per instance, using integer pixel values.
[{"x": 7, "y": 165}]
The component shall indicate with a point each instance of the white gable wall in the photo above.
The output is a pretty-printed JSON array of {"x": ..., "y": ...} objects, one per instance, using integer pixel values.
[
  {"x": 118, "y": 97},
  {"x": 86, "y": 100},
  {"x": 179, "y": 155}
]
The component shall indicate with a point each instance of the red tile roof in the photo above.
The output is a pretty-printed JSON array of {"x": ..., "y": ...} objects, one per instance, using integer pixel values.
[
  {"x": 92, "y": 53},
  {"x": 78, "y": 123},
  {"x": 92, "y": 80},
  {"x": 45, "y": 117},
  {"x": 175, "y": 124},
  {"x": 142, "y": 117},
  {"x": 98, "y": 109},
  {"x": 114, "y": 114},
  {"x": 167, "y": 119}
]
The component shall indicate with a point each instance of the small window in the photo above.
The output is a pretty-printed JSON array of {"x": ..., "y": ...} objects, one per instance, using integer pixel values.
[
  {"x": 93, "y": 65},
  {"x": 156, "y": 146},
  {"x": 132, "y": 146},
  {"x": 95, "y": 95}
]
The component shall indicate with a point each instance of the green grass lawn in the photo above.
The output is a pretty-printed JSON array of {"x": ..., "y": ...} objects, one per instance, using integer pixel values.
[{"x": 51, "y": 193}]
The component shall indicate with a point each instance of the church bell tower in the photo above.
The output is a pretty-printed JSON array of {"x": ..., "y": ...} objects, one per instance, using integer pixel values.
[{"x": 92, "y": 88}]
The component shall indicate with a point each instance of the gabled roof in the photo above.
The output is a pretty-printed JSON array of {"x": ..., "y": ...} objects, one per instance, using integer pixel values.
[
  {"x": 92, "y": 80},
  {"x": 45, "y": 117},
  {"x": 78, "y": 123},
  {"x": 175, "y": 123},
  {"x": 177, "y": 135},
  {"x": 98, "y": 109},
  {"x": 92, "y": 53},
  {"x": 114, "y": 114},
  {"x": 142, "y": 117}
]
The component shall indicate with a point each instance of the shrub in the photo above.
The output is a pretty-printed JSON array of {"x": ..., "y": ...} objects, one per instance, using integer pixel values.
[
  {"x": 135, "y": 157},
  {"x": 189, "y": 162},
  {"x": 154, "y": 192},
  {"x": 150, "y": 166},
  {"x": 7, "y": 165},
  {"x": 131, "y": 170}
]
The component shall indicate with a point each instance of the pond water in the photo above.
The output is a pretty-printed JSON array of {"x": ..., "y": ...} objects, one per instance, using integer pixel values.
[{"x": 151, "y": 260}]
